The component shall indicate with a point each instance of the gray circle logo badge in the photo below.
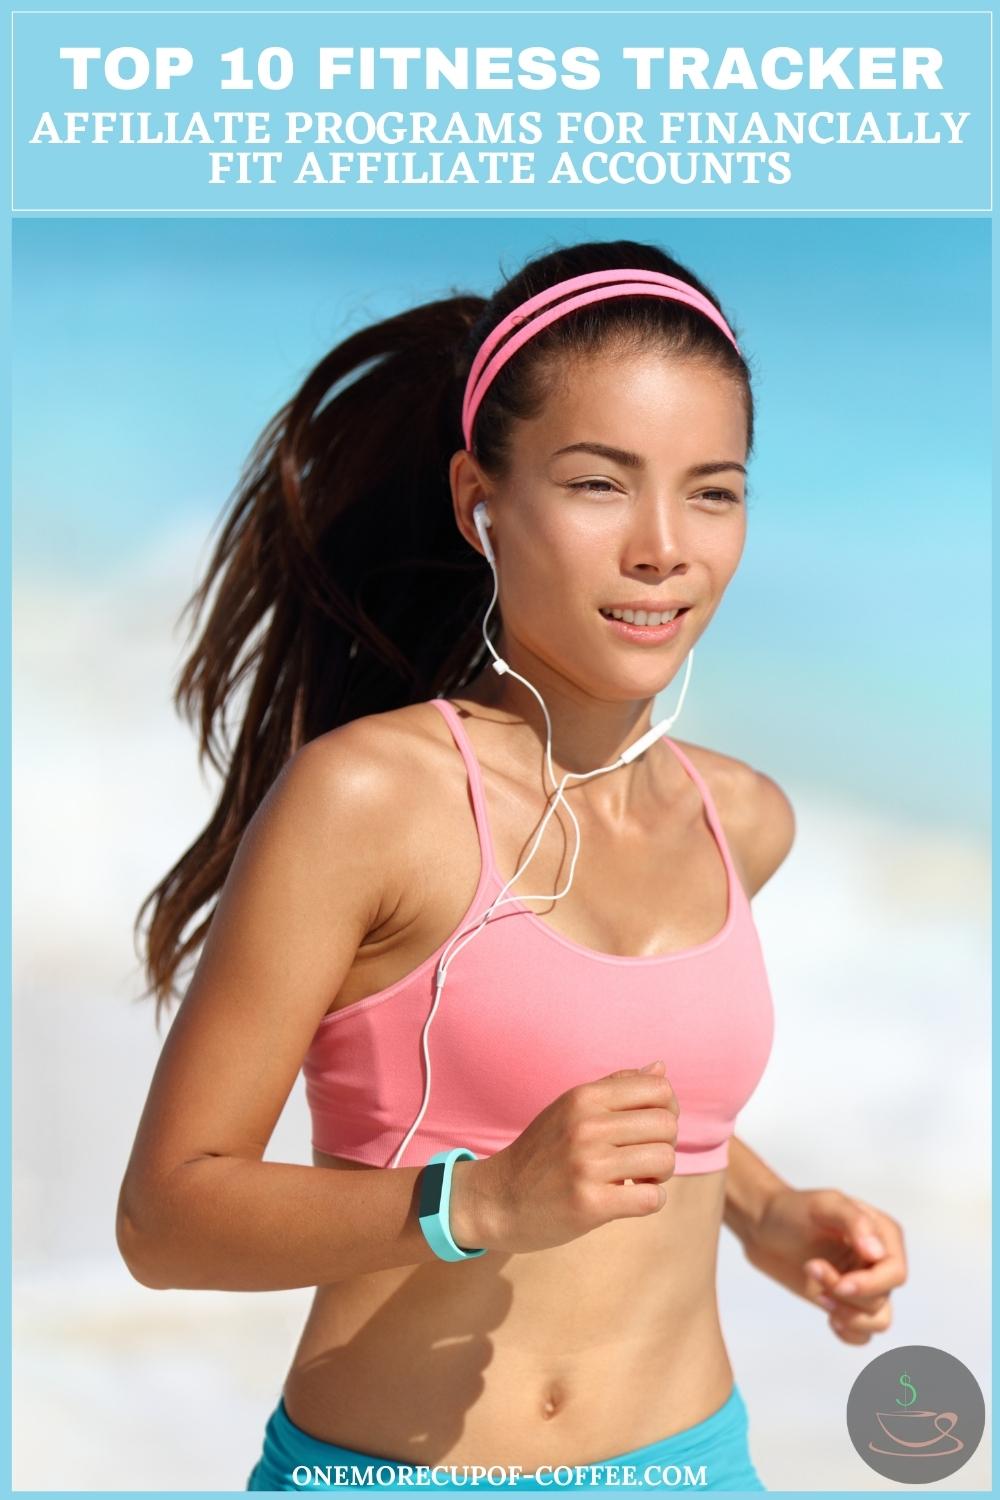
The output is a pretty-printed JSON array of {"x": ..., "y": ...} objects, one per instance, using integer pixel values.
[{"x": 916, "y": 1414}]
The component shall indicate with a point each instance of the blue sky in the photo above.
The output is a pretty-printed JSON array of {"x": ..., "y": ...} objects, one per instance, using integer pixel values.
[{"x": 851, "y": 653}]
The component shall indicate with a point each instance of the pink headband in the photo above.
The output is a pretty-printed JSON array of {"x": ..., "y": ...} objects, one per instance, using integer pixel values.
[{"x": 637, "y": 284}]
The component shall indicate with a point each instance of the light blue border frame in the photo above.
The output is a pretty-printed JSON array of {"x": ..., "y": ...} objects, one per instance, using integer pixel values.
[{"x": 6, "y": 576}]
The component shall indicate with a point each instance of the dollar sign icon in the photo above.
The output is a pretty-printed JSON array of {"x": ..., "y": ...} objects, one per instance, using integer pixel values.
[{"x": 910, "y": 1389}]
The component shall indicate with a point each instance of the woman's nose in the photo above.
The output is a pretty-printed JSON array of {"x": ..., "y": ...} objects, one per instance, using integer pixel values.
[{"x": 656, "y": 540}]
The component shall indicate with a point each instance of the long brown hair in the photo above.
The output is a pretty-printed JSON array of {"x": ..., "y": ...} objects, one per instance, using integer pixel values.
[{"x": 344, "y": 587}]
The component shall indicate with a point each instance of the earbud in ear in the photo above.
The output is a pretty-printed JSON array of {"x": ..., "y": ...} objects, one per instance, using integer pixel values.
[{"x": 481, "y": 519}]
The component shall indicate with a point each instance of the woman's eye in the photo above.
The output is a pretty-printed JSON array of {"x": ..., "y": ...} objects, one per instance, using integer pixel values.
[
  {"x": 726, "y": 496},
  {"x": 591, "y": 484}
]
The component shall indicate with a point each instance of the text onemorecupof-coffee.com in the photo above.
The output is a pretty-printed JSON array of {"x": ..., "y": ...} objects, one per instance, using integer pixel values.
[{"x": 559, "y": 1476}]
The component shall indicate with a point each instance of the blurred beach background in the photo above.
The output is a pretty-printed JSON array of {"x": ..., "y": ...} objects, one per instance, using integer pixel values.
[{"x": 849, "y": 660}]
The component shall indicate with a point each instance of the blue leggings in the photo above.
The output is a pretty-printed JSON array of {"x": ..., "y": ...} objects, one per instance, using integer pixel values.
[{"x": 293, "y": 1460}]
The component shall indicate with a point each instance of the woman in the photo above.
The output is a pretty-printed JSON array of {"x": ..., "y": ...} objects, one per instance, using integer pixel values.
[{"x": 553, "y": 1081}]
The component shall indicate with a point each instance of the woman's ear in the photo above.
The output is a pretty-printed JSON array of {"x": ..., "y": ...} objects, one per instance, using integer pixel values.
[{"x": 469, "y": 490}]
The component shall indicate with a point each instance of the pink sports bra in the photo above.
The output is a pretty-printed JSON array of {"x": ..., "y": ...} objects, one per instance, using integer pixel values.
[{"x": 527, "y": 1013}]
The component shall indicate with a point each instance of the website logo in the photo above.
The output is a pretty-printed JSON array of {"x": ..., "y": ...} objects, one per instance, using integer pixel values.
[{"x": 916, "y": 1414}]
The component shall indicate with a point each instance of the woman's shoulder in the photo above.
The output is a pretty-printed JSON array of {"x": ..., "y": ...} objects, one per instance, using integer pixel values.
[
  {"x": 372, "y": 792},
  {"x": 389, "y": 739},
  {"x": 755, "y": 810},
  {"x": 379, "y": 757}
]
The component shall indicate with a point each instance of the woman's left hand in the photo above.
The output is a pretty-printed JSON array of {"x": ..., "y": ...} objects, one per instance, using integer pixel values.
[{"x": 834, "y": 1250}]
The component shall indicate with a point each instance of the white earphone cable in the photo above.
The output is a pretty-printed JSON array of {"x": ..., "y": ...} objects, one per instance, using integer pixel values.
[{"x": 459, "y": 939}]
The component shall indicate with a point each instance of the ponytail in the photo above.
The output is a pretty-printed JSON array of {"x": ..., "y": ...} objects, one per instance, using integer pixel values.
[{"x": 342, "y": 586}]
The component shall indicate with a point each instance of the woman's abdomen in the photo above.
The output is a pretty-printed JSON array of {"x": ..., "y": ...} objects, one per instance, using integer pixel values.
[{"x": 567, "y": 1355}]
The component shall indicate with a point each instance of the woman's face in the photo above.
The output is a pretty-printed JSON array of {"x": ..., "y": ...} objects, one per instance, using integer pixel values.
[{"x": 629, "y": 487}]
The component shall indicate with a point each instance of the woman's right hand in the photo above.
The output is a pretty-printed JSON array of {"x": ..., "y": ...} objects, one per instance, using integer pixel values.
[{"x": 601, "y": 1151}]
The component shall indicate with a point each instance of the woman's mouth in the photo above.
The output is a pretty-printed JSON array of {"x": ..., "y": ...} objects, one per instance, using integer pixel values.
[{"x": 639, "y": 629}]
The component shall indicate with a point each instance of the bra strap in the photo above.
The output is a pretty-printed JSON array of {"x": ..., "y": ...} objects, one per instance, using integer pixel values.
[
  {"x": 476, "y": 790},
  {"x": 715, "y": 822}
]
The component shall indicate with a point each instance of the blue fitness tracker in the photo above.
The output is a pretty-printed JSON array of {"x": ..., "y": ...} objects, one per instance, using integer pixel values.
[{"x": 435, "y": 1197}]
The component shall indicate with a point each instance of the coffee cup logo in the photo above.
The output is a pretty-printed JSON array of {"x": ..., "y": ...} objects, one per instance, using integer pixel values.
[{"x": 934, "y": 1422}]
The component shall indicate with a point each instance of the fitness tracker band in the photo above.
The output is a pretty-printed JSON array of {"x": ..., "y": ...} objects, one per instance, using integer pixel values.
[{"x": 435, "y": 1197}]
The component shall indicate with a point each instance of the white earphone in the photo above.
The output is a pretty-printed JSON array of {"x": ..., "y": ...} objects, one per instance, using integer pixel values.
[{"x": 481, "y": 519}]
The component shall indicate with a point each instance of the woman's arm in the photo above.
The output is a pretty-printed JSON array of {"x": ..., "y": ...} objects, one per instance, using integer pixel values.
[
  {"x": 750, "y": 1185},
  {"x": 839, "y": 1252},
  {"x": 835, "y": 1250},
  {"x": 253, "y": 1226},
  {"x": 199, "y": 1207},
  {"x": 225, "y": 1224}
]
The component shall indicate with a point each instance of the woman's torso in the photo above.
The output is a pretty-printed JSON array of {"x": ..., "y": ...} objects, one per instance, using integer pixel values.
[{"x": 590, "y": 1348}]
